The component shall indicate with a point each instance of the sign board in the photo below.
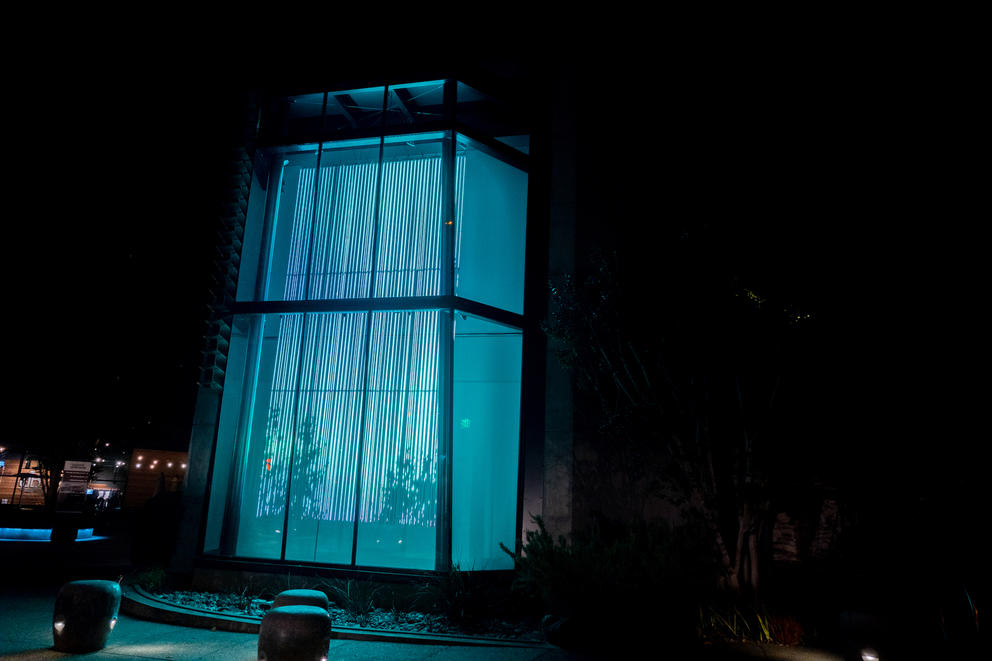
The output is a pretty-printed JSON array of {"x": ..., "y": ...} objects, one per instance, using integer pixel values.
[{"x": 72, "y": 487}]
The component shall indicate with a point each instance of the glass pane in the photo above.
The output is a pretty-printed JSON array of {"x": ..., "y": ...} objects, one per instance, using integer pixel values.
[
  {"x": 398, "y": 511},
  {"x": 253, "y": 525},
  {"x": 415, "y": 103},
  {"x": 354, "y": 110},
  {"x": 485, "y": 442},
  {"x": 288, "y": 219},
  {"x": 226, "y": 485},
  {"x": 408, "y": 255},
  {"x": 491, "y": 217},
  {"x": 322, "y": 502},
  {"x": 341, "y": 251}
]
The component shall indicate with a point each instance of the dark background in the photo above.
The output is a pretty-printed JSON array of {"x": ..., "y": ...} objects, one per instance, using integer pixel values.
[{"x": 837, "y": 176}]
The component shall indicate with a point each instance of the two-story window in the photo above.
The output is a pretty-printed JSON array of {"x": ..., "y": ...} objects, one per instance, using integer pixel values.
[{"x": 371, "y": 407}]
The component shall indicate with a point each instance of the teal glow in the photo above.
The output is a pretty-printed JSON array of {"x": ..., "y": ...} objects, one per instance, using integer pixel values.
[
  {"x": 487, "y": 394},
  {"x": 308, "y": 393},
  {"x": 492, "y": 220},
  {"x": 331, "y": 422},
  {"x": 42, "y": 534},
  {"x": 26, "y": 534}
]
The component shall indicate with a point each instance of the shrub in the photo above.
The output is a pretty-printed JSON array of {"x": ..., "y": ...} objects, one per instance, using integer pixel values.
[
  {"x": 151, "y": 579},
  {"x": 465, "y": 597},
  {"x": 741, "y": 622},
  {"x": 356, "y": 597},
  {"x": 643, "y": 577},
  {"x": 786, "y": 629}
]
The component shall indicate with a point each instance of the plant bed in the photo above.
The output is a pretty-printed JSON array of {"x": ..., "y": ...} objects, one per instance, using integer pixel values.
[{"x": 390, "y": 620}]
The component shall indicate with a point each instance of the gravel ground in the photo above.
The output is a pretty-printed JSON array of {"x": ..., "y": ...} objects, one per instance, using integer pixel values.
[{"x": 378, "y": 618}]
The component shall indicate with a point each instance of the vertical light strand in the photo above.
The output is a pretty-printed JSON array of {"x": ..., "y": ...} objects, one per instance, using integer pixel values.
[
  {"x": 408, "y": 253},
  {"x": 299, "y": 242}
]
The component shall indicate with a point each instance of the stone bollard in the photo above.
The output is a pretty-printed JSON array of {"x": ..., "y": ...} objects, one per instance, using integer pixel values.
[
  {"x": 85, "y": 614},
  {"x": 300, "y": 598},
  {"x": 295, "y": 633}
]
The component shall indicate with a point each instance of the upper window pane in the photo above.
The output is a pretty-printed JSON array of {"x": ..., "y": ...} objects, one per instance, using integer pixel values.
[
  {"x": 491, "y": 215},
  {"x": 321, "y": 220},
  {"x": 408, "y": 257}
]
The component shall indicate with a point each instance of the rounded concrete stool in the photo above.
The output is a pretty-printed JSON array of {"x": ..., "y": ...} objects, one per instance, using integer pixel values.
[
  {"x": 85, "y": 613},
  {"x": 300, "y": 598},
  {"x": 294, "y": 633}
]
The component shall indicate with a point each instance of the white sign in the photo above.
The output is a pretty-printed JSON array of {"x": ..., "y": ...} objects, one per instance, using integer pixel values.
[{"x": 75, "y": 476}]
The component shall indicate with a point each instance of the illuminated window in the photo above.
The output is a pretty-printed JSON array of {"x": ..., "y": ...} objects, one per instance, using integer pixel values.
[{"x": 371, "y": 408}]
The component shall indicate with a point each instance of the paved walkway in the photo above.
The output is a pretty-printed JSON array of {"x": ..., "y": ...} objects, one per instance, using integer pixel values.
[
  {"x": 33, "y": 573},
  {"x": 26, "y": 633}
]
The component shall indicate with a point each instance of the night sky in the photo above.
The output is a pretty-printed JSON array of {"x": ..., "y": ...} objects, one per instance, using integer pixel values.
[{"x": 844, "y": 185}]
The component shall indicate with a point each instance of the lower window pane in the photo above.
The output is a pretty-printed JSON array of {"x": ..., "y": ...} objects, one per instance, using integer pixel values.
[
  {"x": 260, "y": 510},
  {"x": 485, "y": 443},
  {"x": 398, "y": 511},
  {"x": 324, "y": 412},
  {"x": 322, "y": 491}
]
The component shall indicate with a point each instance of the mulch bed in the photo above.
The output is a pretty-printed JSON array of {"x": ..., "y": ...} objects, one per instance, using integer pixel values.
[{"x": 378, "y": 618}]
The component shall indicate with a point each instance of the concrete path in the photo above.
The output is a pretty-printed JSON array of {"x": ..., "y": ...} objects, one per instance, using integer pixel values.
[
  {"x": 26, "y": 633},
  {"x": 34, "y": 572}
]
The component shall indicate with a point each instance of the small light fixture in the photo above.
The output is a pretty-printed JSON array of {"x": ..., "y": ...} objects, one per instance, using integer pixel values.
[
  {"x": 59, "y": 626},
  {"x": 169, "y": 464},
  {"x": 869, "y": 654},
  {"x": 113, "y": 623},
  {"x": 137, "y": 465},
  {"x": 184, "y": 465},
  {"x": 140, "y": 457}
]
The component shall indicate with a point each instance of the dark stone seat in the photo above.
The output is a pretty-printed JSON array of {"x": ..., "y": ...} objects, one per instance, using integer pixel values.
[
  {"x": 294, "y": 633},
  {"x": 85, "y": 614},
  {"x": 300, "y": 598}
]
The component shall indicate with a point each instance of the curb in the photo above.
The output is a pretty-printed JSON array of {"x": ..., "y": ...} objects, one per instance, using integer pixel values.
[{"x": 138, "y": 603}]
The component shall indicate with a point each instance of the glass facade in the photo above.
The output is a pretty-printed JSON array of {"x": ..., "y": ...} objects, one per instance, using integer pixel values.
[{"x": 371, "y": 408}]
